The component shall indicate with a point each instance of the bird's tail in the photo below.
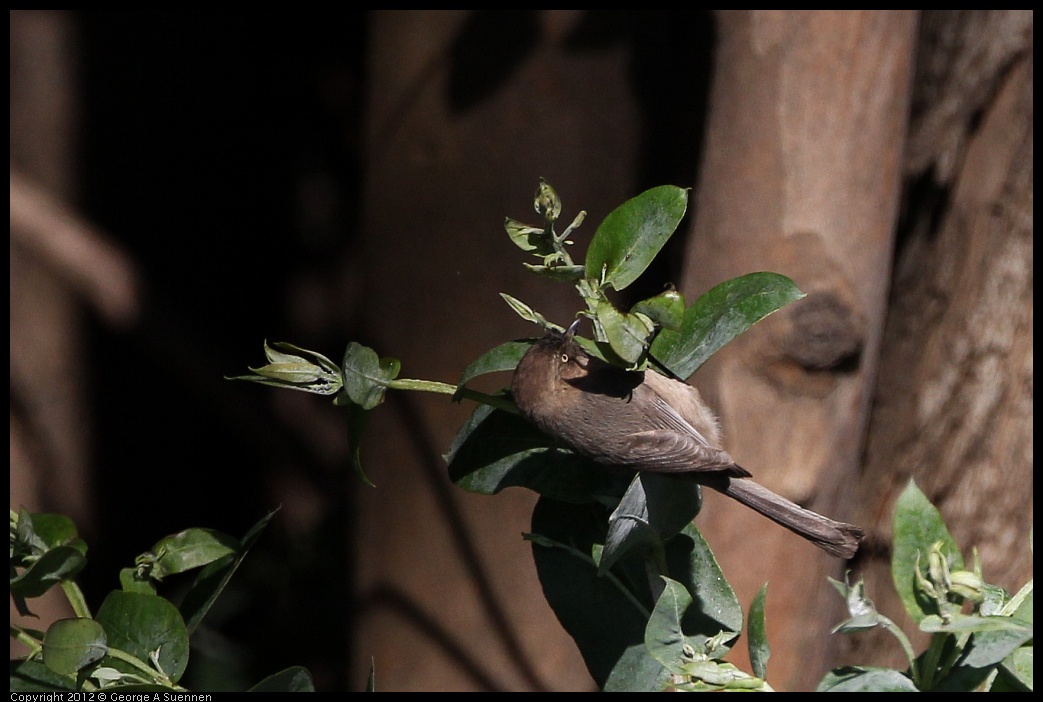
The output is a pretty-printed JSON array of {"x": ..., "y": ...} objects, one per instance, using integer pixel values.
[{"x": 836, "y": 538}]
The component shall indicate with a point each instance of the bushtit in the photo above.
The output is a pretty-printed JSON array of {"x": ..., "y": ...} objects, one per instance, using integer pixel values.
[{"x": 646, "y": 421}]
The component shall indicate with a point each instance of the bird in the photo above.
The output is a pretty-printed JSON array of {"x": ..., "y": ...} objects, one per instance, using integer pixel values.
[{"x": 646, "y": 421}]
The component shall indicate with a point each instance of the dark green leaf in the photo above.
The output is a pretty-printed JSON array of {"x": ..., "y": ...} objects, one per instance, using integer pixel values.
[
  {"x": 57, "y": 564},
  {"x": 73, "y": 644},
  {"x": 633, "y": 233},
  {"x": 653, "y": 509},
  {"x": 34, "y": 676},
  {"x": 295, "y": 679},
  {"x": 917, "y": 527},
  {"x": 495, "y": 449},
  {"x": 606, "y": 624},
  {"x": 865, "y": 679},
  {"x": 504, "y": 357},
  {"x": 142, "y": 624},
  {"x": 212, "y": 579},
  {"x": 718, "y": 316},
  {"x": 757, "y": 631},
  {"x": 691, "y": 562}
]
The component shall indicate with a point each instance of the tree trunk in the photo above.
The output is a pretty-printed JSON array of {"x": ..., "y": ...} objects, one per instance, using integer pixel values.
[
  {"x": 953, "y": 406},
  {"x": 801, "y": 176},
  {"x": 457, "y": 141}
]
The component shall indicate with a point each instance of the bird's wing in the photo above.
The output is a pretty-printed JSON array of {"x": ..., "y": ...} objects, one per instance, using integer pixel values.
[{"x": 672, "y": 451}]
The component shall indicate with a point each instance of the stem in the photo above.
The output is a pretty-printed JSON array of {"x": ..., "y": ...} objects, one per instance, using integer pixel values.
[
  {"x": 497, "y": 401},
  {"x": 906, "y": 645},
  {"x": 76, "y": 599},
  {"x": 153, "y": 674},
  {"x": 26, "y": 639},
  {"x": 930, "y": 661}
]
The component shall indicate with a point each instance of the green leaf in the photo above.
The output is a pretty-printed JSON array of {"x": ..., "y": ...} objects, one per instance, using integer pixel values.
[
  {"x": 134, "y": 580},
  {"x": 54, "y": 566},
  {"x": 668, "y": 643},
  {"x": 654, "y": 508},
  {"x": 665, "y": 309},
  {"x": 691, "y": 562},
  {"x": 495, "y": 449},
  {"x": 504, "y": 357},
  {"x": 990, "y": 647},
  {"x": 1016, "y": 670},
  {"x": 57, "y": 530},
  {"x": 141, "y": 625},
  {"x": 865, "y": 679},
  {"x": 633, "y": 233},
  {"x": 628, "y": 335},
  {"x": 34, "y": 676},
  {"x": 212, "y": 579},
  {"x": 864, "y": 614},
  {"x": 295, "y": 679},
  {"x": 527, "y": 313},
  {"x": 600, "y": 612},
  {"x": 531, "y": 239},
  {"x": 73, "y": 644},
  {"x": 366, "y": 376},
  {"x": 188, "y": 549},
  {"x": 757, "y": 633},
  {"x": 718, "y": 316},
  {"x": 600, "y": 617},
  {"x": 664, "y": 638},
  {"x": 917, "y": 527}
]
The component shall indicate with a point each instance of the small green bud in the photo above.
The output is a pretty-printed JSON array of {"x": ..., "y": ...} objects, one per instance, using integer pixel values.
[
  {"x": 968, "y": 585},
  {"x": 547, "y": 202}
]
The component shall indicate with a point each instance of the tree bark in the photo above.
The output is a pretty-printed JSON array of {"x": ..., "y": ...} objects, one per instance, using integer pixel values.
[
  {"x": 449, "y": 598},
  {"x": 801, "y": 176},
  {"x": 953, "y": 407}
]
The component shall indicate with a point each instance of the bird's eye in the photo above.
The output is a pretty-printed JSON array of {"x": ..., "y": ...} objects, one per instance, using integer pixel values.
[{"x": 564, "y": 358}]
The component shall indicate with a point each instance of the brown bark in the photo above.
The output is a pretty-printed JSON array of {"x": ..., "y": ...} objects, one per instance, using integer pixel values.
[
  {"x": 801, "y": 176},
  {"x": 953, "y": 406},
  {"x": 449, "y": 594}
]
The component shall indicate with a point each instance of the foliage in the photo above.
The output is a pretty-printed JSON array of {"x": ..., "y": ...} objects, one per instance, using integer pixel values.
[
  {"x": 603, "y": 542},
  {"x": 137, "y": 641},
  {"x": 981, "y": 636},
  {"x": 616, "y": 552}
]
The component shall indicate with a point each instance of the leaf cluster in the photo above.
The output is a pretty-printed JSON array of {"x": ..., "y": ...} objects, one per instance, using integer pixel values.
[
  {"x": 981, "y": 636},
  {"x": 607, "y": 545},
  {"x": 137, "y": 640}
]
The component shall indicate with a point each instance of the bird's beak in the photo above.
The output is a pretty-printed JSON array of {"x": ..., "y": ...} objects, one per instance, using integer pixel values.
[{"x": 571, "y": 331}]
